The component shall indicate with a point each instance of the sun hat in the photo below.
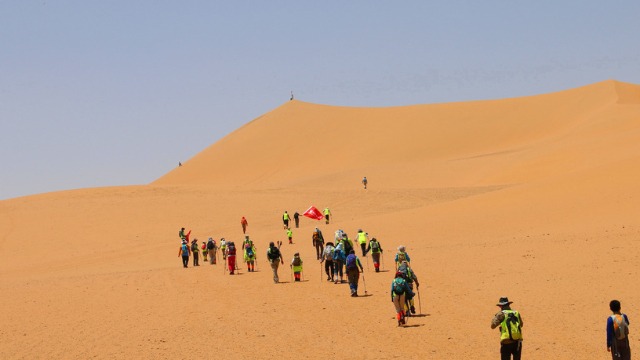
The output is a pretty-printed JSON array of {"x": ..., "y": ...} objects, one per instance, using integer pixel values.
[{"x": 504, "y": 301}]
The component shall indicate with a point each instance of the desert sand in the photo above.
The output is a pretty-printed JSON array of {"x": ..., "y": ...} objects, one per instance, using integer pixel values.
[{"x": 534, "y": 198}]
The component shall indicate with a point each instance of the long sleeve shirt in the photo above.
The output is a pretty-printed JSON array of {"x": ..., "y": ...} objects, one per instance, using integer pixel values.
[{"x": 610, "y": 334}]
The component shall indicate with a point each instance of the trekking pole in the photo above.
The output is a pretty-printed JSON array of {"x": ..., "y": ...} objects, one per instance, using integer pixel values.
[
  {"x": 364, "y": 283},
  {"x": 366, "y": 257},
  {"x": 382, "y": 261},
  {"x": 419, "y": 302}
]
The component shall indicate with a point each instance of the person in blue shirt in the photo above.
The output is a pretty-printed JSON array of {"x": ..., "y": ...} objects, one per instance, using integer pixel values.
[
  {"x": 617, "y": 333},
  {"x": 184, "y": 251}
]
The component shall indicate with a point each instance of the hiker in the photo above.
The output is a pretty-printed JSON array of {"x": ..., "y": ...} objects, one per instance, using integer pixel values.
[
  {"x": 231, "y": 257},
  {"x": 296, "y": 266},
  {"x": 285, "y": 219},
  {"x": 184, "y": 236},
  {"x": 184, "y": 251},
  {"x": 205, "y": 251},
  {"x": 249, "y": 253},
  {"x": 196, "y": 252},
  {"x": 411, "y": 278},
  {"x": 376, "y": 249},
  {"x": 362, "y": 240},
  {"x": 275, "y": 259},
  {"x": 213, "y": 251},
  {"x": 223, "y": 249},
  {"x": 327, "y": 215},
  {"x": 327, "y": 258},
  {"x": 353, "y": 274},
  {"x": 399, "y": 291},
  {"x": 510, "y": 324},
  {"x": 364, "y": 182},
  {"x": 338, "y": 235},
  {"x": 296, "y": 219},
  {"x": 618, "y": 333},
  {"x": 339, "y": 258},
  {"x": 348, "y": 244},
  {"x": 290, "y": 235},
  {"x": 401, "y": 256},
  {"x": 244, "y": 224},
  {"x": 318, "y": 242}
]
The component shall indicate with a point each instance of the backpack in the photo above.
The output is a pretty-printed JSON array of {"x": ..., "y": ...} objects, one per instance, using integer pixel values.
[
  {"x": 231, "y": 248},
  {"x": 194, "y": 247},
  {"x": 249, "y": 249},
  {"x": 402, "y": 256},
  {"x": 620, "y": 327},
  {"x": 347, "y": 247},
  {"x": 398, "y": 286},
  {"x": 297, "y": 261},
  {"x": 512, "y": 323},
  {"x": 351, "y": 262},
  {"x": 328, "y": 253},
  {"x": 211, "y": 245},
  {"x": 273, "y": 253},
  {"x": 375, "y": 246}
]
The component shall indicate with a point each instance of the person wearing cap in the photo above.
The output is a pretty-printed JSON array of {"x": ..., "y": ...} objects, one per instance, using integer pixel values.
[
  {"x": 399, "y": 291},
  {"x": 617, "y": 333},
  {"x": 327, "y": 258},
  {"x": 510, "y": 325},
  {"x": 362, "y": 240},
  {"x": 184, "y": 251},
  {"x": 318, "y": 242},
  {"x": 411, "y": 278},
  {"x": 275, "y": 259},
  {"x": 376, "y": 250},
  {"x": 401, "y": 256}
]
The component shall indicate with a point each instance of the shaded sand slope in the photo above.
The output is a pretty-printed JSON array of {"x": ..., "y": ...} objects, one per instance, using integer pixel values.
[{"x": 535, "y": 198}]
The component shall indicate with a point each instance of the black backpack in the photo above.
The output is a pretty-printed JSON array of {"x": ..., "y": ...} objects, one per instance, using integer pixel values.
[
  {"x": 210, "y": 245},
  {"x": 273, "y": 253}
]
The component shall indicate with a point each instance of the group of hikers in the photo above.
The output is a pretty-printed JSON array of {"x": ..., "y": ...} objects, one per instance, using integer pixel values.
[{"x": 340, "y": 259}]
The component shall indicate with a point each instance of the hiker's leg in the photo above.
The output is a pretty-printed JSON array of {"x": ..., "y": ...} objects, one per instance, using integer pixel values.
[{"x": 363, "y": 246}]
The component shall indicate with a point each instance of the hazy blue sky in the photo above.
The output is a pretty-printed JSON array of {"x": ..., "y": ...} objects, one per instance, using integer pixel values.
[{"x": 101, "y": 93}]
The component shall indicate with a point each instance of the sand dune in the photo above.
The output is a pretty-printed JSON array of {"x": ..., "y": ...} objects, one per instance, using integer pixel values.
[{"x": 535, "y": 198}]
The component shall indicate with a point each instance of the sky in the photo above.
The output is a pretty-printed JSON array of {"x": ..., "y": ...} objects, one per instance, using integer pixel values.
[{"x": 112, "y": 93}]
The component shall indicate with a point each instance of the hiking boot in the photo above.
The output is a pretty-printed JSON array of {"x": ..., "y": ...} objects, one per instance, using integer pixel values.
[
  {"x": 413, "y": 309},
  {"x": 377, "y": 270}
]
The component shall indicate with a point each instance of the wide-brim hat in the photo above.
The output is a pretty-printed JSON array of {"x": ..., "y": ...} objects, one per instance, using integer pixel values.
[{"x": 504, "y": 301}]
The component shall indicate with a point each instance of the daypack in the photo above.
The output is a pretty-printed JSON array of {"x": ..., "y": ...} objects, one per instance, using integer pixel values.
[
  {"x": 351, "y": 262},
  {"x": 297, "y": 261},
  {"x": 211, "y": 245},
  {"x": 402, "y": 256},
  {"x": 194, "y": 247},
  {"x": 315, "y": 236},
  {"x": 231, "y": 248},
  {"x": 249, "y": 249},
  {"x": 328, "y": 253},
  {"x": 398, "y": 286},
  {"x": 347, "y": 247},
  {"x": 375, "y": 246},
  {"x": 512, "y": 323},
  {"x": 620, "y": 327},
  {"x": 273, "y": 253},
  {"x": 185, "y": 250}
]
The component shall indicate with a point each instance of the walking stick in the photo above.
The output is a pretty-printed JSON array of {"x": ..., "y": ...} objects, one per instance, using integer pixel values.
[
  {"x": 320, "y": 271},
  {"x": 364, "y": 283},
  {"x": 366, "y": 257},
  {"x": 291, "y": 272},
  {"x": 419, "y": 302},
  {"x": 382, "y": 261}
]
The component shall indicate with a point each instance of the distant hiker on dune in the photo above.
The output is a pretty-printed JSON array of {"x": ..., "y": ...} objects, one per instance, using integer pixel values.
[
  {"x": 364, "y": 182},
  {"x": 327, "y": 258},
  {"x": 401, "y": 256},
  {"x": 275, "y": 259},
  {"x": 399, "y": 290},
  {"x": 376, "y": 251},
  {"x": 318, "y": 242},
  {"x": 244, "y": 224},
  {"x": 249, "y": 254},
  {"x": 285, "y": 219},
  {"x": 231, "y": 257},
  {"x": 296, "y": 266},
  {"x": 327, "y": 215},
  {"x": 296, "y": 219},
  {"x": 223, "y": 249},
  {"x": 205, "y": 251},
  {"x": 290, "y": 235},
  {"x": 196, "y": 252},
  {"x": 184, "y": 236},
  {"x": 339, "y": 257},
  {"x": 362, "y": 240},
  {"x": 184, "y": 251},
  {"x": 510, "y": 325},
  {"x": 618, "y": 333},
  {"x": 353, "y": 274},
  {"x": 213, "y": 251}
]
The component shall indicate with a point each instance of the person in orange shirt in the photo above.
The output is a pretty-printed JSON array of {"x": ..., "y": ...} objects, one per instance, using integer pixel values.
[{"x": 244, "y": 224}]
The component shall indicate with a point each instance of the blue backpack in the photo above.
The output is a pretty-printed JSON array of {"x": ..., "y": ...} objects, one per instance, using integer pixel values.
[
  {"x": 351, "y": 262},
  {"x": 185, "y": 250}
]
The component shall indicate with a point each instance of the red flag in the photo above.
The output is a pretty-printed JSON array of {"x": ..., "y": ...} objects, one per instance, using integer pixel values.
[{"x": 313, "y": 213}]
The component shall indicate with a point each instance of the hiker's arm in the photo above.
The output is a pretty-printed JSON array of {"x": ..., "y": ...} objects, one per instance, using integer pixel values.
[
  {"x": 609, "y": 333},
  {"x": 497, "y": 320}
]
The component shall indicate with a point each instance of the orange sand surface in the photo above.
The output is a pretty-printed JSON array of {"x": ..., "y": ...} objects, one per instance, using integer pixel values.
[{"x": 535, "y": 198}]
